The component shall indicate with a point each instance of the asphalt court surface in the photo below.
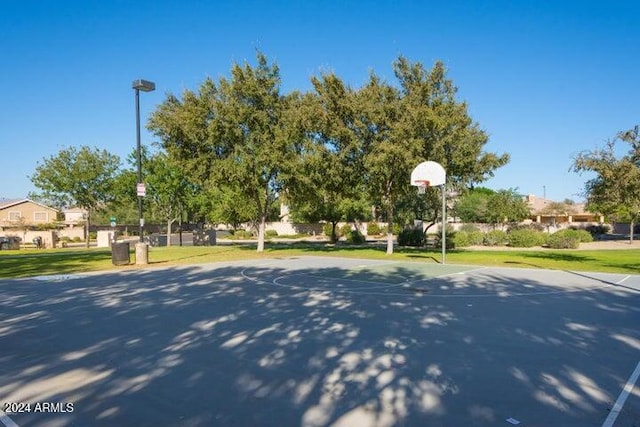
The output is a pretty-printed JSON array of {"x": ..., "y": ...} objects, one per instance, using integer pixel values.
[{"x": 316, "y": 341}]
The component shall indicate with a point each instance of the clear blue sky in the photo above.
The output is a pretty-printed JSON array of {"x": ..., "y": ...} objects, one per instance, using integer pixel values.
[{"x": 546, "y": 79}]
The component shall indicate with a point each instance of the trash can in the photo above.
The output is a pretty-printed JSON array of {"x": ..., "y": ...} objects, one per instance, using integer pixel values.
[{"x": 120, "y": 253}]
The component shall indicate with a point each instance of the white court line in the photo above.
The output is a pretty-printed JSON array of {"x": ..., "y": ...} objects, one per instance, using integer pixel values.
[
  {"x": 4, "y": 419},
  {"x": 620, "y": 281},
  {"x": 375, "y": 282},
  {"x": 622, "y": 398}
]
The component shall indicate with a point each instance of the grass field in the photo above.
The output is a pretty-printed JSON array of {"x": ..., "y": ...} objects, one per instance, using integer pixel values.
[{"x": 25, "y": 263}]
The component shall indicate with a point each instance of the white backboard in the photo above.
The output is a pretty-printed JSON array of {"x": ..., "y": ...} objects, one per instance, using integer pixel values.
[{"x": 429, "y": 171}]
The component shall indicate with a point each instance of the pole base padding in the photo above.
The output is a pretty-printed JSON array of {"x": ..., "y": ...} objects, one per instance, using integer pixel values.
[{"x": 142, "y": 254}]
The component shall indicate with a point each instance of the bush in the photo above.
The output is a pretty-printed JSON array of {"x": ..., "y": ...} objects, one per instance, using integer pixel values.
[
  {"x": 355, "y": 237},
  {"x": 77, "y": 239},
  {"x": 462, "y": 239},
  {"x": 242, "y": 234},
  {"x": 583, "y": 235},
  {"x": 495, "y": 238},
  {"x": 535, "y": 226},
  {"x": 411, "y": 237},
  {"x": 395, "y": 230},
  {"x": 596, "y": 230},
  {"x": 342, "y": 231},
  {"x": 271, "y": 233},
  {"x": 525, "y": 238},
  {"x": 569, "y": 239},
  {"x": 564, "y": 239},
  {"x": 449, "y": 235},
  {"x": 373, "y": 229},
  {"x": 476, "y": 238}
]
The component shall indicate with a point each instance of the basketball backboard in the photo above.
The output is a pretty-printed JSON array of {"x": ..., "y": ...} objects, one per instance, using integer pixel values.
[{"x": 429, "y": 171}]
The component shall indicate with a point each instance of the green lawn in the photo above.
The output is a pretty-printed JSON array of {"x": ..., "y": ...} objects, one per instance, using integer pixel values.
[{"x": 25, "y": 263}]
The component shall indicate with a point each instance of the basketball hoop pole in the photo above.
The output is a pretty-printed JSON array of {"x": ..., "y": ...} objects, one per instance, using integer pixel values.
[
  {"x": 424, "y": 184},
  {"x": 432, "y": 174},
  {"x": 444, "y": 222}
]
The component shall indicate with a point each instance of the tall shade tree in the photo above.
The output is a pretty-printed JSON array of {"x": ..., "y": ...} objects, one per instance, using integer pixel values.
[
  {"x": 78, "y": 176},
  {"x": 474, "y": 205},
  {"x": 326, "y": 181},
  {"x": 486, "y": 206},
  {"x": 615, "y": 190},
  {"x": 440, "y": 125},
  {"x": 388, "y": 156},
  {"x": 169, "y": 189},
  {"x": 233, "y": 132},
  {"x": 507, "y": 206},
  {"x": 421, "y": 120}
]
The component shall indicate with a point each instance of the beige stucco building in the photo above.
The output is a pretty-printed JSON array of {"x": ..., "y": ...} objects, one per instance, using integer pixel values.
[
  {"x": 575, "y": 213},
  {"x": 20, "y": 212}
]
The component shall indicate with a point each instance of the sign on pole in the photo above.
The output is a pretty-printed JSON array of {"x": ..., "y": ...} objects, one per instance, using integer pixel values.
[
  {"x": 141, "y": 189},
  {"x": 112, "y": 221}
]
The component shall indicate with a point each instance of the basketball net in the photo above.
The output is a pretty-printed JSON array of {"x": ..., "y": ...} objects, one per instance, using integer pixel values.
[{"x": 422, "y": 186}]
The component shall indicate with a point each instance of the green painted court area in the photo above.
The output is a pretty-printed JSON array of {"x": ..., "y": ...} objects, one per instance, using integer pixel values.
[{"x": 322, "y": 341}]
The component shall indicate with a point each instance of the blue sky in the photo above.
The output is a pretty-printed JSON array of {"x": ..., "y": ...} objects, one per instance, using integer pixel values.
[{"x": 545, "y": 79}]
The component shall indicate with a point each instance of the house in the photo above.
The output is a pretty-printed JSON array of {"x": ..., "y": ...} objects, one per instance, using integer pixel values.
[
  {"x": 74, "y": 216},
  {"x": 549, "y": 212},
  {"x": 21, "y": 212}
]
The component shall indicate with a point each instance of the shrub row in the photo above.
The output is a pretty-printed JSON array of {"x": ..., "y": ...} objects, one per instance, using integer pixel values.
[{"x": 522, "y": 238}]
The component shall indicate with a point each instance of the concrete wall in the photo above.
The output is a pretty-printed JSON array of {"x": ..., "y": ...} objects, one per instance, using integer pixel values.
[
  {"x": 287, "y": 228},
  {"x": 49, "y": 237},
  {"x": 72, "y": 232}
]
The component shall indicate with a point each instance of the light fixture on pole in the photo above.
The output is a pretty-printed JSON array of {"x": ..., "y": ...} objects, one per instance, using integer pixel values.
[
  {"x": 141, "y": 248},
  {"x": 145, "y": 86}
]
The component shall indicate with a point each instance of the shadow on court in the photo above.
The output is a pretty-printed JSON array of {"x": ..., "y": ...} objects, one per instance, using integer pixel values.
[{"x": 316, "y": 346}]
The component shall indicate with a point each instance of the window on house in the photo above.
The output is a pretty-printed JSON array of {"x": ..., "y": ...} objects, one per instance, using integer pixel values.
[
  {"x": 15, "y": 216},
  {"x": 40, "y": 216}
]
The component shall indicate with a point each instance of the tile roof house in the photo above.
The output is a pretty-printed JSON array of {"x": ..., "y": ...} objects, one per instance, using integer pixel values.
[
  {"x": 547, "y": 211},
  {"x": 20, "y": 212}
]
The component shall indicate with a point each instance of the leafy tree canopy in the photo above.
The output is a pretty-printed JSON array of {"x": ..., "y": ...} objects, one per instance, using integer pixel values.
[
  {"x": 232, "y": 134},
  {"x": 615, "y": 190},
  {"x": 78, "y": 176}
]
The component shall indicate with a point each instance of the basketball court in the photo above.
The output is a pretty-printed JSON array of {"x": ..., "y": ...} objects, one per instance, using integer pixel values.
[{"x": 319, "y": 341}]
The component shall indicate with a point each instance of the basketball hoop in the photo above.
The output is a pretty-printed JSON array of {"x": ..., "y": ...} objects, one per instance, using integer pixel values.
[
  {"x": 422, "y": 185},
  {"x": 432, "y": 174}
]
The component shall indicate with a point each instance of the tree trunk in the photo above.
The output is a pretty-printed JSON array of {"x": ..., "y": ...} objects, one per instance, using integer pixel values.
[
  {"x": 389, "y": 231},
  {"x": 631, "y": 226},
  {"x": 334, "y": 235},
  {"x": 261, "y": 228},
  {"x": 88, "y": 223},
  {"x": 169, "y": 232}
]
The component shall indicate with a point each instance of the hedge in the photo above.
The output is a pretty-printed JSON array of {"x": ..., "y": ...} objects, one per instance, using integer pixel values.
[
  {"x": 525, "y": 238},
  {"x": 462, "y": 239},
  {"x": 495, "y": 238},
  {"x": 411, "y": 237}
]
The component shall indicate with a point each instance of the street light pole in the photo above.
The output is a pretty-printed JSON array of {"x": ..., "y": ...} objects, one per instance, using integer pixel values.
[
  {"x": 145, "y": 86},
  {"x": 139, "y": 163}
]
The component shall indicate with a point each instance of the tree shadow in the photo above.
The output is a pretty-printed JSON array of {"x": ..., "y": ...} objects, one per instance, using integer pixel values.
[
  {"x": 558, "y": 256},
  {"x": 303, "y": 342}
]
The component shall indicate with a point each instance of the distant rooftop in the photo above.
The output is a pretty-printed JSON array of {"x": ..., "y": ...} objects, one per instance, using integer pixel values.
[{"x": 8, "y": 202}]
